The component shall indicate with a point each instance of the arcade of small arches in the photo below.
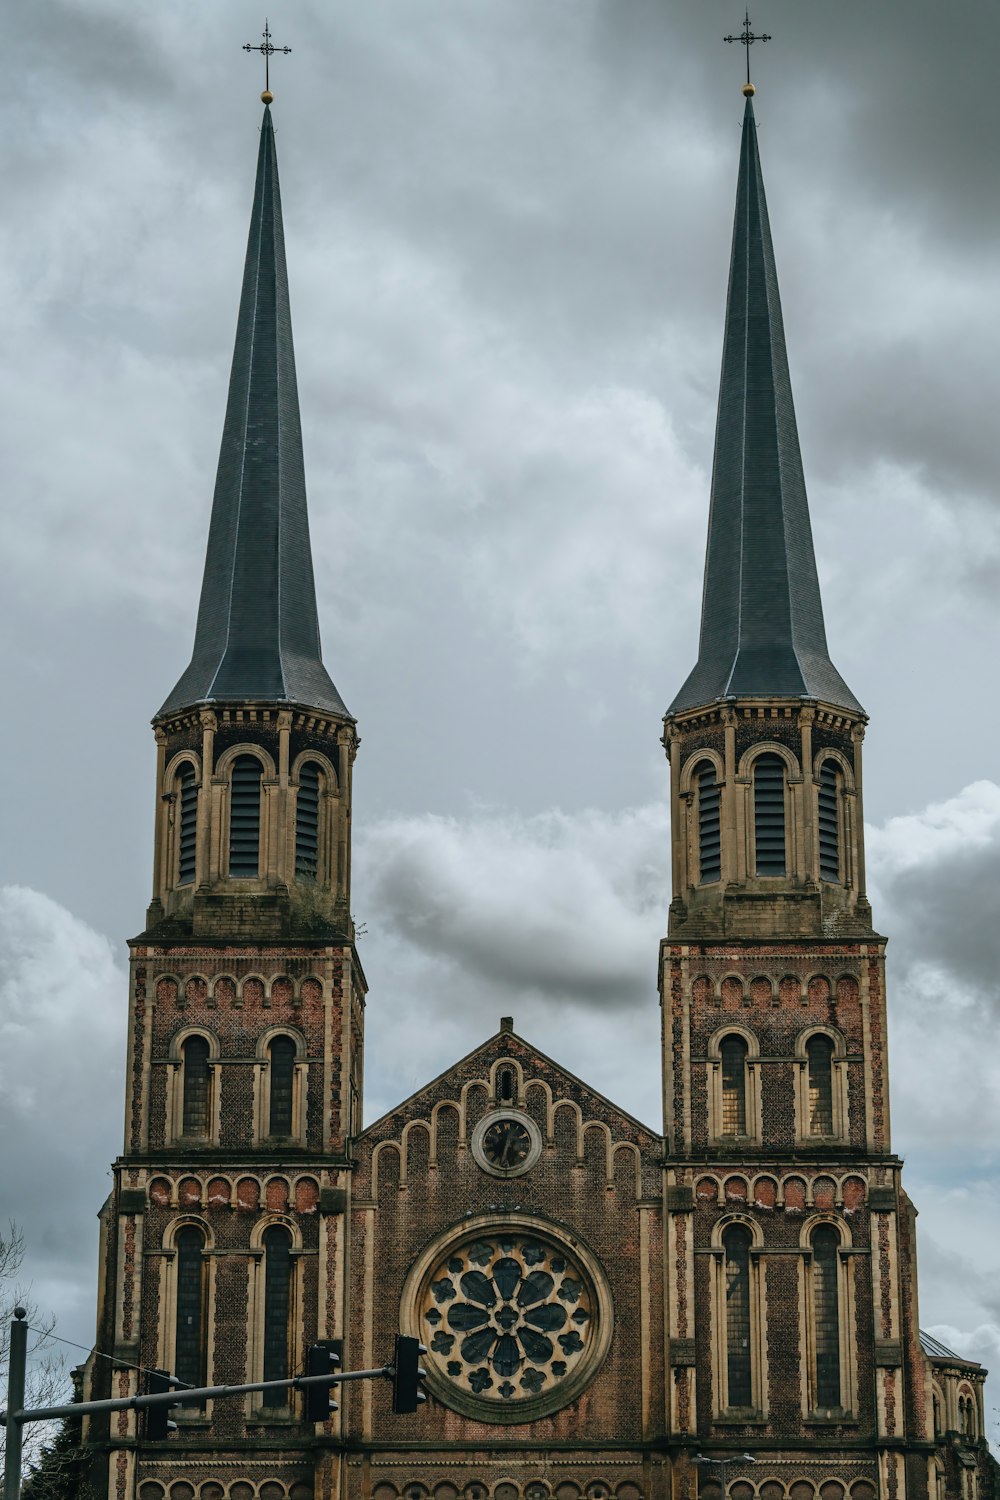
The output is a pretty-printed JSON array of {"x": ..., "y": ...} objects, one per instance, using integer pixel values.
[
  {"x": 791, "y": 1193},
  {"x": 787, "y": 989},
  {"x": 225, "y": 991},
  {"x": 217, "y": 1489},
  {"x": 275, "y": 1194},
  {"x": 511, "y": 1489}
]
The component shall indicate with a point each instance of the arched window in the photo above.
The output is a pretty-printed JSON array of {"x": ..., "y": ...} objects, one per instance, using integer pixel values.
[
  {"x": 737, "y": 1241},
  {"x": 709, "y": 826},
  {"x": 829, "y": 821},
  {"x": 281, "y": 1081},
  {"x": 307, "y": 822},
  {"x": 244, "y": 817},
  {"x": 190, "y": 1342},
  {"x": 826, "y": 1315},
  {"x": 769, "y": 814},
  {"x": 277, "y": 1310},
  {"x": 505, "y": 1085},
  {"x": 819, "y": 1063},
  {"x": 938, "y": 1423},
  {"x": 733, "y": 1053},
  {"x": 196, "y": 1111},
  {"x": 187, "y": 801}
]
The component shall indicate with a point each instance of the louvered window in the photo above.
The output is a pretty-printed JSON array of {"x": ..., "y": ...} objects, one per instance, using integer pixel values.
[
  {"x": 829, "y": 821},
  {"x": 282, "y": 1078},
  {"x": 734, "y": 1085},
  {"x": 277, "y": 1307},
  {"x": 738, "y": 1363},
  {"x": 819, "y": 1062},
  {"x": 244, "y": 817},
  {"x": 307, "y": 822},
  {"x": 189, "y": 1355},
  {"x": 769, "y": 814},
  {"x": 187, "y": 788},
  {"x": 709, "y": 829},
  {"x": 826, "y": 1311},
  {"x": 196, "y": 1087}
]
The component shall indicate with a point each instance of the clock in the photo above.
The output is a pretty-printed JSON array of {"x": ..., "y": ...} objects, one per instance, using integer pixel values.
[{"x": 506, "y": 1143}]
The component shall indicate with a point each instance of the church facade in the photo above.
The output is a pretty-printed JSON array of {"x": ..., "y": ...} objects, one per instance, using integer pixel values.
[{"x": 724, "y": 1305}]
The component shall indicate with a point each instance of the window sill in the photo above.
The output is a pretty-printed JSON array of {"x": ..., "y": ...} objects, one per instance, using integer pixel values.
[
  {"x": 832, "y": 1416},
  {"x": 736, "y": 1416},
  {"x": 273, "y": 1416}
]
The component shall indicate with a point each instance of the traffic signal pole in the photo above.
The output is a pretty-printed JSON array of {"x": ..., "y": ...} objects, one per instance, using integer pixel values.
[{"x": 16, "y": 1415}]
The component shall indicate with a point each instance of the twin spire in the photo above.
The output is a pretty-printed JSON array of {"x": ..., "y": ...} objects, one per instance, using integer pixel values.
[
  {"x": 257, "y": 637},
  {"x": 762, "y": 633}
]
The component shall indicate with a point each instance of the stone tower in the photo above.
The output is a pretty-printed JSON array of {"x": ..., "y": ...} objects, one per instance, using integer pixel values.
[
  {"x": 223, "y": 1250},
  {"x": 791, "y": 1268}
]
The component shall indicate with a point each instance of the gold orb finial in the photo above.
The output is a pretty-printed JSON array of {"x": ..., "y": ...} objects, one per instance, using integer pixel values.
[
  {"x": 267, "y": 97},
  {"x": 749, "y": 90}
]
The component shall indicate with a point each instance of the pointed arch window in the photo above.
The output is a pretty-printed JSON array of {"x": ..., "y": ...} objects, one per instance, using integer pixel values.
[
  {"x": 187, "y": 802},
  {"x": 769, "y": 814},
  {"x": 307, "y": 822},
  {"x": 281, "y": 1112},
  {"x": 826, "y": 1315},
  {"x": 819, "y": 1066},
  {"x": 739, "y": 1369},
  {"x": 277, "y": 1310},
  {"x": 196, "y": 1096},
  {"x": 828, "y": 809},
  {"x": 190, "y": 1341},
  {"x": 244, "y": 817},
  {"x": 733, "y": 1054},
  {"x": 709, "y": 826}
]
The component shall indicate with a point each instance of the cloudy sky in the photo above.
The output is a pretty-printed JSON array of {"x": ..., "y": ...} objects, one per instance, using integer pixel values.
[{"x": 508, "y": 233}]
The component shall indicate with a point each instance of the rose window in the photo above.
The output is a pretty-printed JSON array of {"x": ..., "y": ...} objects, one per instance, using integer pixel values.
[{"x": 509, "y": 1317}]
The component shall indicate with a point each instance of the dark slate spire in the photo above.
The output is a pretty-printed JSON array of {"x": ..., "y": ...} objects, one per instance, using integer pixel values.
[
  {"x": 762, "y": 630},
  {"x": 257, "y": 636}
]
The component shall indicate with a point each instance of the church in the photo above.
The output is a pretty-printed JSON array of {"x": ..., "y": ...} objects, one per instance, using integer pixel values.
[{"x": 722, "y": 1304}]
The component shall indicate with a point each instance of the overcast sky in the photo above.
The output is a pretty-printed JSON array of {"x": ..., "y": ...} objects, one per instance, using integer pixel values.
[{"x": 508, "y": 232}]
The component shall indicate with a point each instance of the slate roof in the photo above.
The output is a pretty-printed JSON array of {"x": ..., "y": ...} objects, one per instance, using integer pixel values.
[
  {"x": 257, "y": 636},
  {"x": 762, "y": 629},
  {"x": 936, "y": 1350}
]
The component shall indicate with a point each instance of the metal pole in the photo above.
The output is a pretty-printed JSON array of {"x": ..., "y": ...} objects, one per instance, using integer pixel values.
[{"x": 15, "y": 1401}]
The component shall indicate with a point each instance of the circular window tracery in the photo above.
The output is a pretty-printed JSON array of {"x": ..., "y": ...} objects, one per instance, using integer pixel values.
[{"x": 515, "y": 1320}]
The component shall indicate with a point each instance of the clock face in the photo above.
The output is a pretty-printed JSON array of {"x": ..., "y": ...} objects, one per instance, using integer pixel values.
[{"x": 506, "y": 1143}]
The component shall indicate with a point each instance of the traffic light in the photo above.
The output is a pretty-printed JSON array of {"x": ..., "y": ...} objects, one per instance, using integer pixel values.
[
  {"x": 320, "y": 1360},
  {"x": 158, "y": 1424},
  {"x": 407, "y": 1373}
]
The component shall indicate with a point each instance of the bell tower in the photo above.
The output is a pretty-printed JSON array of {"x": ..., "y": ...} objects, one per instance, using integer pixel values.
[
  {"x": 223, "y": 1249},
  {"x": 791, "y": 1278}
]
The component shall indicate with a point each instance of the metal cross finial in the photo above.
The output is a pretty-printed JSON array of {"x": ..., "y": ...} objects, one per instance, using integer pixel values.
[
  {"x": 748, "y": 38},
  {"x": 267, "y": 49}
]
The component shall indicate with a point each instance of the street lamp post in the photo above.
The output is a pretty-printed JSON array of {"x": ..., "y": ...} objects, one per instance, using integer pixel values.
[{"x": 722, "y": 1465}]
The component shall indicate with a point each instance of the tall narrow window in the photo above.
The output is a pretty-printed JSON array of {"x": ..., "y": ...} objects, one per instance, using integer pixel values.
[
  {"x": 829, "y": 821},
  {"x": 709, "y": 836},
  {"x": 196, "y": 1087},
  {"x": 189, "y": 1347},
  {"x": 244, "y": 817},
  {"x": 282, "y": 1076},
  {"x": 826, "y": 1312},
  {"x": 733, "y": 1053},
  {"x": 819, "y": 1063},
  {"x": 738, "y": 1370},
  {"x": 505, "y": 1085},
  {"x": 307, "y": 822},
  {"x": 277, "y": 1308},
  {"x": 769, "y": 814},
  {"x": 187, "y": 790}
]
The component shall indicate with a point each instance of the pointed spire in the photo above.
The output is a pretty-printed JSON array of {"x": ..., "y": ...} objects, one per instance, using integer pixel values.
[
  {"x": 762, "y": 632},
  {"x": 257, "y": 636}
]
